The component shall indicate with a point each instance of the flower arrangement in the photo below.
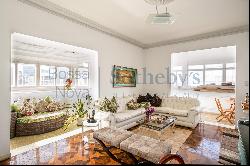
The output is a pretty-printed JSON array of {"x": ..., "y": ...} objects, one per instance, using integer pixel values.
[
  {"x": 68, "y": 84},
  {"x": 149, "y": 111}
]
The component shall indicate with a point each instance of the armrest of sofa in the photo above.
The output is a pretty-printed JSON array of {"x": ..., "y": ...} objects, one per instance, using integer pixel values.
[
  {"x": 193, "y": 112},
  {"x": 112, "y": 120}
]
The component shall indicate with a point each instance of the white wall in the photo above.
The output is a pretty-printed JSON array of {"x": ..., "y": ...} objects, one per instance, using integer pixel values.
[
  {"x": 22, "y": 18},
  {"x": 157, "y": 59}
]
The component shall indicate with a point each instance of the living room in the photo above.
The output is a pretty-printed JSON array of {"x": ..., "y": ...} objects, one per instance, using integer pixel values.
[{"x": 120, "y": 36}]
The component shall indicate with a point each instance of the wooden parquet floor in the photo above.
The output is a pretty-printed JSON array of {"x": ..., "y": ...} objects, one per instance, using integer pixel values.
[{"x": 202, "y": 147}]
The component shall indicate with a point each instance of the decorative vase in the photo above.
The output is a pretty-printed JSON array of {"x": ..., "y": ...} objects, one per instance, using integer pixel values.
[
  {"x": 80, "y": 120},
  {"x": 148, "y": 117}
]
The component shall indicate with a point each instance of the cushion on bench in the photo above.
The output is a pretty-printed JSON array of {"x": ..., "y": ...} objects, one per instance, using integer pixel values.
[
  {"x": 145, "y": 147},
  {"x": 112, "y": 136}
]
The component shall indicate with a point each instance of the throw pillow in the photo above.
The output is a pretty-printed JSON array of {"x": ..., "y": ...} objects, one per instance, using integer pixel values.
[
  {"x": 41, "y": 106},
  {"x": 155, "y": 100},
  {"x": 54, "y": 106},
  {"x": 48, "y": 99},
  {"x": 132, "y": 105},
  {"x": 27, "y": 109},
  {"x": 145, "y": 105},
  {"x": 109, "y": 105}
]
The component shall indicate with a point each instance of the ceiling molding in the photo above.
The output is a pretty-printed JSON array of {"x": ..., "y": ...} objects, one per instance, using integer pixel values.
[
  {"x": 76, "y": 18},
  {"x": 223, "y": 32}
]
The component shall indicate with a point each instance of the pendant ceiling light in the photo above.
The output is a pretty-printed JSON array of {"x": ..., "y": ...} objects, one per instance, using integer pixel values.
[{"x": 160, "y": 18}]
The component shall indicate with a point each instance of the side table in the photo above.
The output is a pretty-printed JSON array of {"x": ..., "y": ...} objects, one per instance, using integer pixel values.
[{"x": 85, "y": 124}]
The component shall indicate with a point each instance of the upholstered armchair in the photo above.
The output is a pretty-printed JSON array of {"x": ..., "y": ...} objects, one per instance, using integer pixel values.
[{"x": 243, "y": 145}]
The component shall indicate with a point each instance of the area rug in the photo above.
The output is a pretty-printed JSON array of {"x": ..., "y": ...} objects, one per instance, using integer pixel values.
[
  {"x": 175, "y": 139},
  {"x": 229, "y": 154}
]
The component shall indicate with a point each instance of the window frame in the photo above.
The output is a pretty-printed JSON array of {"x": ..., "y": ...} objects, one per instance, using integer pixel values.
[
  {"x": 13, "y": 75},
  {"x": 41, "y": 76},
  {"x": 24, "y": 86},
  {"x": 77, "y": 80},
  {"x": 37, "y": 85}
]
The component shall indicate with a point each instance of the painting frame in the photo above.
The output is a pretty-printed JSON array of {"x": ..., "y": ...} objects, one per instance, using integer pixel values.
[{"x": 129, "y": 80}]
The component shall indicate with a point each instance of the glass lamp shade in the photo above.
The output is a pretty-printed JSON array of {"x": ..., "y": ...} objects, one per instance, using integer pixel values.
[
  {"x": 164, "y": 18},
  {"x": 158, "y": 2}
]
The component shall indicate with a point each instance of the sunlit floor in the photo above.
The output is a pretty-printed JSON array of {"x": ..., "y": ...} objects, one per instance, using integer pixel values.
[{"x": 210, "y": 118}]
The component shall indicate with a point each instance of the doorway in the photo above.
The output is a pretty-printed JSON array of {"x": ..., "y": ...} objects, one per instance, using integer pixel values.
[
  {"x": 208, "y": 74},
  {"x": 47, "y": 77}
]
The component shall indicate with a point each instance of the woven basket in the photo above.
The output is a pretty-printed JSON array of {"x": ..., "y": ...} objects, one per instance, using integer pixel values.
[
  {"x": 36, "y": 128},
  {"x": 13, "y": 124}
]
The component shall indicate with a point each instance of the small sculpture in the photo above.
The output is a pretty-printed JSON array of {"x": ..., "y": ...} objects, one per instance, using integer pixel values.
[{"x": 90, "y": 107}]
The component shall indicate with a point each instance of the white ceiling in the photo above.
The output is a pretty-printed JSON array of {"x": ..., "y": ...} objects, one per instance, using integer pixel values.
[
  {"x": 36, "y": 50},
  {"x": 193, "y": 17}
]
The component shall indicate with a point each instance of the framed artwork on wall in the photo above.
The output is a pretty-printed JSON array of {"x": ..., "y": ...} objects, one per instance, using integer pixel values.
[{"x": 124, "y": 77}]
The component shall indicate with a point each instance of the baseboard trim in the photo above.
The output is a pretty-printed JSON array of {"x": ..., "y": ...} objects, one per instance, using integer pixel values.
[{"x": 5, "y": 157}]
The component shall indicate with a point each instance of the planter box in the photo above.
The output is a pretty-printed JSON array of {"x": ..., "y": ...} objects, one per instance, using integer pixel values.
[
  {"x": 13, "y": 124},
  {"x": 25, "y": 129}
]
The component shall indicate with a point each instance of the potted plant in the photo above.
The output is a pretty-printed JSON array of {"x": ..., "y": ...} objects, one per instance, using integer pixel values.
[{"x": 79, "y": 114}]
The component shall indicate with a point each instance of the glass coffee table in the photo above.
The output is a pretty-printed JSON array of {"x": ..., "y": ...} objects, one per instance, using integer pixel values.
[{"x": 158, "y": 123}]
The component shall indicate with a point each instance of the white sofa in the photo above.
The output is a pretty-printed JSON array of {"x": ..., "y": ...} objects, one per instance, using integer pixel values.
[
  {"x": 125, "y": 118},
  {"x": 185, "y": 109}
]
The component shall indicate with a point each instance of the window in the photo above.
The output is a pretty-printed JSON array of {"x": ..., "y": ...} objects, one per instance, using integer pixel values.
[
  {"x": 230, "y": 65},
  {"x": 195, "y": 75},
  {"x": 214, "y": 66},
  {"x": 195, "y": 78},
  {"x": 177, "y": 78},
  {"x": 82, "y": 76},
  {"x": 230, "y": 75},
  {"x": 214, "y": 74},
  {"x": 62, "y": 75},
  {"x": 47, "y": 75},
  {"x": 195, "y": 67},
  {"x": 26, "y": 75},
  {"x": 86, "y": 65},
  {"x": 230, "y": 72},
  {"x": 13, "y": 71},
  {"x": 213, "y": 77}
]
